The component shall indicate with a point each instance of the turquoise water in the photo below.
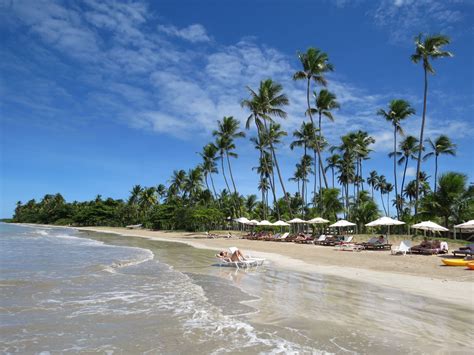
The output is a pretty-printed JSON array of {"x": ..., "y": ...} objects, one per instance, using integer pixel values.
[{"x": 67, "y": 291}]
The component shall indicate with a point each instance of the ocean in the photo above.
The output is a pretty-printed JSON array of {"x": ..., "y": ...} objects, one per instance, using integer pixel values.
[{"x": 67, "y": 291}]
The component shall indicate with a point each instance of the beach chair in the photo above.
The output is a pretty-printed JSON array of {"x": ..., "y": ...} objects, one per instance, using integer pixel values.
[
  {"x": 245, "y": 262},
  {"x": 403, "y": 248},
  {"x": 321, "y": 239},
  {"x": 430, "y": 247},
  {"x": 375, "y": 244},
  {"x": 281, "y": 237},
  {"x": 465, "y": 251}
]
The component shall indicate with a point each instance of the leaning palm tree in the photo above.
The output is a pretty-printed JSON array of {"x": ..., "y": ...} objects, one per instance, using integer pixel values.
[
  {"x": 427, "y": 48},
  {"x": 227, "y": 132},
  {"x": 398, "y": 110},
  {"x": 304, "y": 137},
  {"x": 441, "y": 145},
  {"x": 264, "y": 105},
  {"x": 381, "y": 185},
  {"x": 315, "y": 65}
]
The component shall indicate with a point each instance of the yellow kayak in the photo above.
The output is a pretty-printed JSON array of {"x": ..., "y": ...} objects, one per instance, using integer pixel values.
[
  {"x": 456, "y": 262},
  {"x": 471, "y": 265}
]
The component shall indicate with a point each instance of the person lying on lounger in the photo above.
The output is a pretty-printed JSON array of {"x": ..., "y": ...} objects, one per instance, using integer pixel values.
[
  {"x": 235, "y": 256},
  {"x": 380, "y": 240}
]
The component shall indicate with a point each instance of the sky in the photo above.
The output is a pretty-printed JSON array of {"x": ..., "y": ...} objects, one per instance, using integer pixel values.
[{"x": 97, "y": 96}]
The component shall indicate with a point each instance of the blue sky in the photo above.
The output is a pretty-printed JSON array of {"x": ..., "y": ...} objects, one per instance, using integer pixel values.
[{"x": 97, "y": 96}]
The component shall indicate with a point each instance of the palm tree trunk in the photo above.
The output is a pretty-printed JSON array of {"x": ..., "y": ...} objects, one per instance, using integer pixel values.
[
  {"x": 315, "y": 176},
  {"x": 436, "y": 173},
  {"x": 263, "y": 197},
  {"x": 361, "y": 174},
  {"x": 383, "y": 203},
  {"x": 395, "y": 169},
  {"x": 332, "y": 169},
  {"x": 418, "y": 164},
  {"x": 318, "y": 149},
  {"x": 213, "y": 187},
  {"x": 223, "y": 173},
  {"x": 207, "y": 183},
  {"x": 230, "y": 172},
  {"x": 388, "y": 203},
  {"x": 403, "y": 179}
]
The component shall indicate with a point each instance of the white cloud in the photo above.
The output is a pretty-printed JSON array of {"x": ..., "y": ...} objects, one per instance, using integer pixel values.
[
  {"x": 406, "y": 18},
  {"x": 193, "y": 33},
  {"x": 411, "y": 172}
]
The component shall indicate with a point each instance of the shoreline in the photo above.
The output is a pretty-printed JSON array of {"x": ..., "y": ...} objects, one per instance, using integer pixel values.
[{"x": 432, "y": 286}]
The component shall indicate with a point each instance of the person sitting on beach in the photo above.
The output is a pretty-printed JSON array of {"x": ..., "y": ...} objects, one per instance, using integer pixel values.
[
  {"x": 235, "y": 256},
  {"x": 380, "y": 240}
]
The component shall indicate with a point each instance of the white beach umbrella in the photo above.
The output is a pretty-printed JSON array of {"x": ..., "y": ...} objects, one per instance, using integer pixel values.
[
  {"x": 281, "y": 224},
  {"x": 242, "y": 220},
  {"x": 253, "y": 222},
  {"x": 466, "y": 225},
  {"x": 384, "y": 221},
  {"x": 342, "y": 223},
  {"x": 318, "y": 220},
  {"x": 264, "y": 223},
  {"x": 297, "y": 220},
  {"x": 430, "y": 226}
]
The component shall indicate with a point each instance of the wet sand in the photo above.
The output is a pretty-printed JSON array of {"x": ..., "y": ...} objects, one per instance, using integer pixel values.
[{"x": 415, "y": 274}]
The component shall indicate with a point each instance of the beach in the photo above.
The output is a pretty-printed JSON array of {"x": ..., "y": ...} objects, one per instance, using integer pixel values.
[
  {"x": 417, "y": 274},
  {"x": 115, "y": 290}
]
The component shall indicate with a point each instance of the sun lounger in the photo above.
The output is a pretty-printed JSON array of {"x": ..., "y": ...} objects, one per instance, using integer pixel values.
[
  {"x": 304, "y": 239},
  {"x": 332, "y": 241},
  {"x": 243, "y": 263},
  {"x": 349, "y": 247},
  {"x": 430, "y": 248},
  {"x": 466, "y": 251},
  {"x": 321, "y": 239},
  {"x": 375, "y": 244},
  {"x": 403, "y": 248}
]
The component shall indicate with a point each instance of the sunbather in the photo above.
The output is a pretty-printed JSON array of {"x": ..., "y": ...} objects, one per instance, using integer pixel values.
[{"x": 235, "y": 256}]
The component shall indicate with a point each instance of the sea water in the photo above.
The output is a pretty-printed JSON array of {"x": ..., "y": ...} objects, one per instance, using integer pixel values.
[{"x": 67, "y": 291}]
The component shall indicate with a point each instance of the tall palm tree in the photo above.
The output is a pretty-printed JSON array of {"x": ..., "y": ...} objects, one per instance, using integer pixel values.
[
  {"x": 222, "y": 145},
  {"x": 325, "y": 101},
  {"x": 193, "y": 183},
  {"x": 332, "y": 162},
  {"x": 147, "y": 199},
  {"x": 265, "y": 104},
  {"x": 398, "y": 110},
  {"x": 372, "y": 180},
  {"x": 303, "y": 138},
  {"x": 441, "y": 145},
  {"x": 227, "y": 132},
  {"x": 382, "y": 186},
  {"x": 177, "y": 182},
  {"x": 388, "y": 189},
  {"x": 427, "y": 48},
  {"x": 135, "y": 194},
  {"x": 161, "y": 191},
  {"x": 209, "y": 165},
  {"x": 407, "y": 150},
  {"x": 315, "y": 65}
]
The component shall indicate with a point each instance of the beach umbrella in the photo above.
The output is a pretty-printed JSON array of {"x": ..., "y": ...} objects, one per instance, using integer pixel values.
[
  {"x": 429, "y": 226},
  {"x": 385, "y": 221},
  {"x": 318, "y": 220},
  {"x": 296, "y": 221},
  {"x": 264, "y": 223},
  {"x": 466, "y": 225},
  {"x": 242, "y": 220},
  {"x": 342, "y": 223},
  {"x": 252, "y": 222},
  {"x": 281, "y": 224}
]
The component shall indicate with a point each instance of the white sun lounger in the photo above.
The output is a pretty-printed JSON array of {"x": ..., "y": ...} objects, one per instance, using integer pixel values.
[
  {"x": 243, "y": 263},
  {"x": 403, "y": 248}
]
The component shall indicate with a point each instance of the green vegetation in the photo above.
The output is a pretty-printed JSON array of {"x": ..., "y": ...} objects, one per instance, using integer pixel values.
[{"x": 192, "y": 202}]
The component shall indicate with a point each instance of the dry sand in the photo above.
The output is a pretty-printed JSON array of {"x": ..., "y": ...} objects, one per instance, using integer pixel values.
[{"x": 416, "y": 274}]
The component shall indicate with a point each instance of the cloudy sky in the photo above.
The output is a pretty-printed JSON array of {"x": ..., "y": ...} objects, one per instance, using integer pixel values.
[{"x": 97, "y": 96}]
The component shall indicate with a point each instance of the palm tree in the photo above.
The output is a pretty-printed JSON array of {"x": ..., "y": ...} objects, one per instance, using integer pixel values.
[
  {"x": 227, "y": 132},
  {"x": 429, "y": 47},
  {"x": 398, "y": 110},
  {"x": 177, "y": 182},
  {"x": 372, "y": 180},
  {"x": 315, "y": 64},
  {"x": 147, "y": 199},
  {"x": 265, "y": 105},
  {"x": 388, "y": 189},
  {"x": 135, "y": 194},
  {"x": 222, "y": 145},
  {"x": 407, "y": 150},
  {"x": 381, "y": 185},
  {"x": 303, "y": 138},
  {"x": 193, "y": 183},
  {"x": 250, "y": 203},
  {"x": 332, "y": 162},
  {"x": 209, "y": 165},
  {"x": 161, "y": 191},
  {"x": 325, "y": 101},
  {"x": 441, "y": 145}
]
